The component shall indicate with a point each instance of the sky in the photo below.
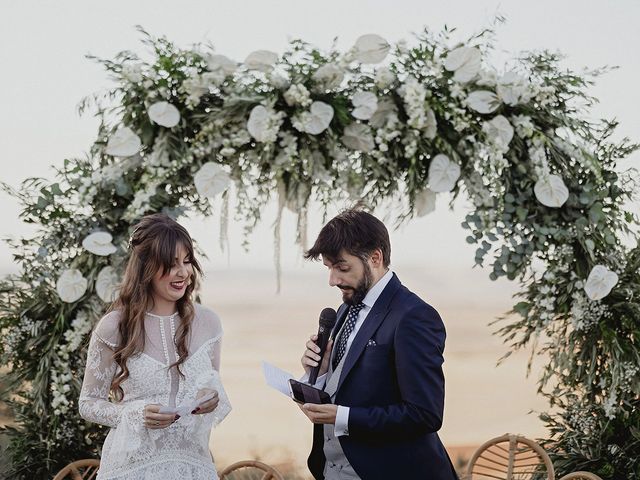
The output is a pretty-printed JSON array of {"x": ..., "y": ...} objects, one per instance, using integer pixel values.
[{"x": 45, "y": 74}]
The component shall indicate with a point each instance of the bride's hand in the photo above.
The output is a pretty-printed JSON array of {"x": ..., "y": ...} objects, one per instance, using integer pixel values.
[
  {"x": 208, "y": 406},
  {"x": 155, "y": 420}
]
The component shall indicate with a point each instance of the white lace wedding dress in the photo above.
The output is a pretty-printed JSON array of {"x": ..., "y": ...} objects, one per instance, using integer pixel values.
[{"x": 132, "y": 451}]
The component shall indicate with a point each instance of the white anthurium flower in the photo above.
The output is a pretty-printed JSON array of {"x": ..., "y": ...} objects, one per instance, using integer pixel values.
[
  {"x": 366, "y": 104},
  {"x": 443, "y": 174},
  {"x": 123, "y": 143},
  {"x": 99, "y": 243},
  {"x": 513, "y": 89},
  {"x": 220, "y": 63},
  {"x": 358, "y": 137},
  {"x": 384, "y": 77},
  {"x": 385, "y": 111},
  {"x": 262, "y": 60},
  {"x": 551, "y": 191},
  {"x": 483, "y": 101},
  {"x": 487, "y": 78},
  {"x": 164, "y": 114},
  {"x": 425, "y": 202},
  {"x": 371, "y": 48},
  {"x": 211, "y": 180},
  {"x": 71, "y": 285},
  {"x": 600, "y": 282},
  {"x": 107, "y": 284},
  {"x": 258, "y": 123},
  {"x": 431, "y": 125},
  {"x": 500, "y": 130},
  {"x": 318, "y": 118},
  {"x": 464, "y": 62},
  {"x": 329, "y": 75}
]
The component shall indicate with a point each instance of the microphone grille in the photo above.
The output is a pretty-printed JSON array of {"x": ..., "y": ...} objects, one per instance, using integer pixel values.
[{"x": 328, "y": 317}]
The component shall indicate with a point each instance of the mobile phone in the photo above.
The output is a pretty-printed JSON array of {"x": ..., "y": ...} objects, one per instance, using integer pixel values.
[{"x": 304, "y": 393}]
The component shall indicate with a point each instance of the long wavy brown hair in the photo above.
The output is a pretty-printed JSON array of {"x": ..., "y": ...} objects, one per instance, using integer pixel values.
[{"x": 152, "y": 247}]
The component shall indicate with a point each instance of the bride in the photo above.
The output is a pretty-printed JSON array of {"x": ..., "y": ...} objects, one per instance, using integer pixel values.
[{"x": 156, "y": 353}]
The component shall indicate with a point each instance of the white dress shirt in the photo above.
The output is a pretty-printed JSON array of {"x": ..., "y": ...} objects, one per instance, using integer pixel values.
[{"x": 342, "y": 417}]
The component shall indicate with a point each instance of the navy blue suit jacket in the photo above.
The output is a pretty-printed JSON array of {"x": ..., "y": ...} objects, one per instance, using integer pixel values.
[{"x": 393, "y": 384}]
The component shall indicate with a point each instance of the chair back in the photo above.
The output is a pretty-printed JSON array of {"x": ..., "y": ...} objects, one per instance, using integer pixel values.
[
  {"x": 510, "y": 457},
  {"x": 86, "y": 469},
  {"x": 581, "y": 476},
  {"x": 250, "y": 470}
]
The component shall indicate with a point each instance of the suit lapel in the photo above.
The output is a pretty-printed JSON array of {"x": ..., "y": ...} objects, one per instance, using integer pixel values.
[{"x": 369, "y": 327}]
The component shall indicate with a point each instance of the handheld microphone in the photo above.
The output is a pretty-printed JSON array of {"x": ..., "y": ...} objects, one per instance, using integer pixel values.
[{"x": 327, "y": 321}]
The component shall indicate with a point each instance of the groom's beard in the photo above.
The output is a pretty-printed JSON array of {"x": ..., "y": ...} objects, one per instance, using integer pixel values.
[{"x": 360, "y": 291}]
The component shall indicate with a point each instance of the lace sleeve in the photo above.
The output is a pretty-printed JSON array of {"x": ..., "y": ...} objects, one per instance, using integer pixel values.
[
  {"x": 215, "y": 382},
  {"x": 94, "y": 404}
]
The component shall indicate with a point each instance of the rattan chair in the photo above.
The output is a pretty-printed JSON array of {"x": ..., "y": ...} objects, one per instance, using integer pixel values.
[
  {"x": 581, "y": 476},
  {"x": 80, "y": 470},
  {"x": 250, "y": 470},
  {"x": 510, "y": 457}
]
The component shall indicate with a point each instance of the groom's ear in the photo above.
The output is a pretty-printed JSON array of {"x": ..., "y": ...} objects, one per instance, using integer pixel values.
[{"x": 376, "y": 258}]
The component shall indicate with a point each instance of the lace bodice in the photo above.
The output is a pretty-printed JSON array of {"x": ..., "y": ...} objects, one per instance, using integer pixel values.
[{"x": 131, "y": 450}]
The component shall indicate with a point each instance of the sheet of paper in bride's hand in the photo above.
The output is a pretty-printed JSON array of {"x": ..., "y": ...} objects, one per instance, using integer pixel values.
[
  {"x": 276, "y": 378},
  {"x": 187, "y": 408}
]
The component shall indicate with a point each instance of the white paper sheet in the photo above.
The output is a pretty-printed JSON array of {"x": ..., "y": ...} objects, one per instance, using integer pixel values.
[
  {"x": 277, "y": 378},
  {"x": 187, "y": 408}
]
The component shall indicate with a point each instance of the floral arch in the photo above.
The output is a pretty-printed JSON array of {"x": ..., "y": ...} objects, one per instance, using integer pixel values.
[{"x": 392, "y": 125}]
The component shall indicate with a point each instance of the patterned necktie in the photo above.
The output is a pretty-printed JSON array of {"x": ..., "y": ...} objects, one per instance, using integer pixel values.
[{"x": 349, "y": 325}]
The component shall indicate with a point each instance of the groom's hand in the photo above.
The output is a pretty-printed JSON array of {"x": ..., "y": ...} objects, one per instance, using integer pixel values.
[
  {"x": 325, "y": 413},
  {"x": 311, "y": 356}
]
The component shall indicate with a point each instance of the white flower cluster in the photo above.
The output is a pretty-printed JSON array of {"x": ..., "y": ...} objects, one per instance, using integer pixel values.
[
  {"x": 297, "y": 94},
  {"x": 198, "y": 84},
  {"x": 523, "y": 125},
  {"x": 14, "y": 336},
  {"x": 585, "y": 313},
  {"x": 386, "y": 118},
  {"x": 87, "y": 190},
  {"x": 60, "y": 388},
  {"x": 236, "y": 139},
  {"x": 460, "y": 118},
  {"x": 264, "y": 123},
  {"x": 133, "y": 72},
  {"x": 575, "y": 152},
  {"x": 538, "y": 157},
  {"x": 108, "y": 174},
  {"x": 420, "y": 116},
  {"x": 611, "y": 405},
  {"x": 140, "y": 203},
  {"x": 479, "y": 193},
  {"x": 630, "y": 375},
  {"x": 582, "y": 418},
  {"x": 546, "y": 303},
  {"x": 544, "y": 95},
  {"x": 288, "y": 149},
  {"x": 491, "y": 161},
  {"x": 61, "y": 375}
]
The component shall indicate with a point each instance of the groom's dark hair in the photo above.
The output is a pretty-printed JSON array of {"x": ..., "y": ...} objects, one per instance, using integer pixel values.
[{"x": 357, "y": 232}]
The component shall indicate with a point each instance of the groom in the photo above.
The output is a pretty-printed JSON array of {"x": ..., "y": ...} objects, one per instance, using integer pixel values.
[{"x": 383, "y": 369}]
